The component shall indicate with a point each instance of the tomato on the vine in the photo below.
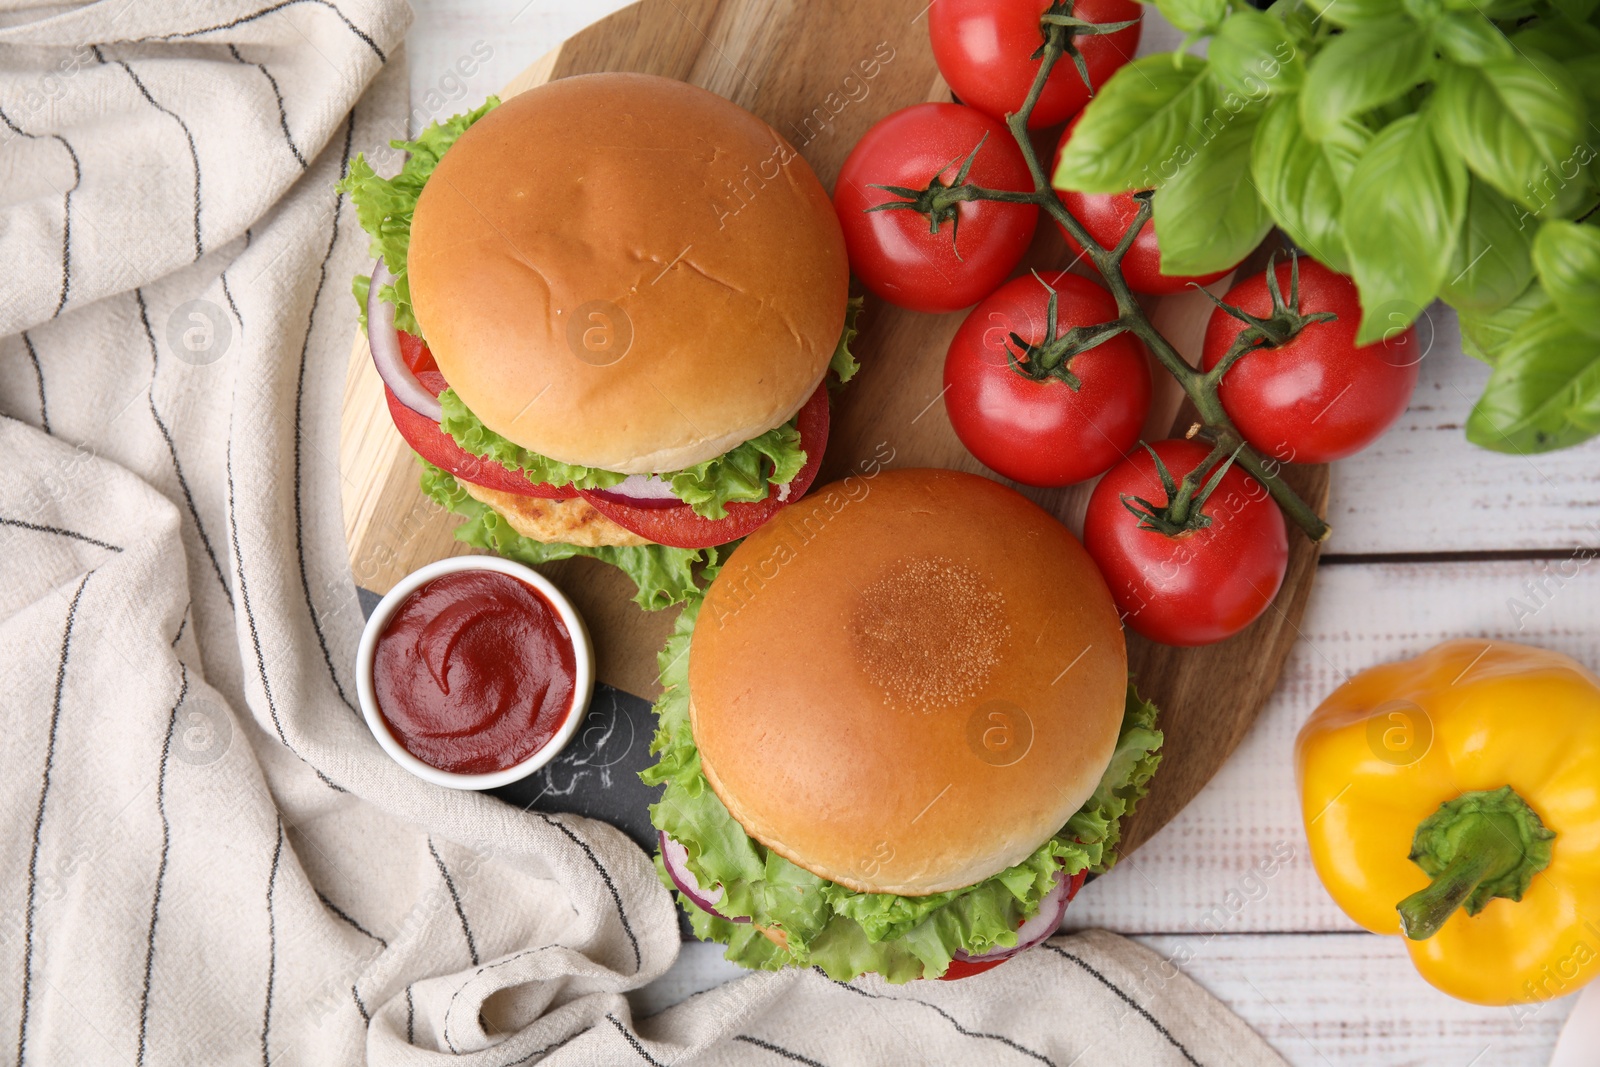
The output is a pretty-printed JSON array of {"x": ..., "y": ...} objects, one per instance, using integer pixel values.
[
  {"x": 985, "y": 50},
  {"x": 898, "y": 252},
  {"x": 1316, "y": 397},
  {"x": 1045, "y": 431},
  {"x": 1204, "y": 583},
  {"x": 1107, "y": 217}
]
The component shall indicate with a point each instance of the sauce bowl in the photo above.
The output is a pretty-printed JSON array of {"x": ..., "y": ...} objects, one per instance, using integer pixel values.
[{"x": 366, "y": 654}]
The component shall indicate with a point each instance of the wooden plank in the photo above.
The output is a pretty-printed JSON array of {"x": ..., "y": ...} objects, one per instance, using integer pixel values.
[
  {"x": 1355, "y": 999},
  {"x": 1423, "y": 487}
]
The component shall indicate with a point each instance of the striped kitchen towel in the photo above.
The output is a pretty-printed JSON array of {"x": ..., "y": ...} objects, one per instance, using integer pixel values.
[{"x": 205, "y": 857}]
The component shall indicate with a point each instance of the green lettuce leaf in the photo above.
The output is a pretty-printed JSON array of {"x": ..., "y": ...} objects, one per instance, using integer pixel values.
[
  {"x": 738, "y": 474},
  {"x": 741, "y": 474},
  {"x": 384, "y": 206},
  {"x": 664, "y": 576},
  {"x": 844, "y": 365},
  {"x": 471, "y": 434},
  {"x": 827, "y": 925}
]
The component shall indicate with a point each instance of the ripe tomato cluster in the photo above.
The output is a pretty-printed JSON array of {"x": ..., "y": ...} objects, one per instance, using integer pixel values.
[{"x": 1047, "y": 381}]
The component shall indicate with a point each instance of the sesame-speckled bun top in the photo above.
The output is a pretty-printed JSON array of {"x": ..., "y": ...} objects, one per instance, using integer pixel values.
[{"x": 907, "y": 683}]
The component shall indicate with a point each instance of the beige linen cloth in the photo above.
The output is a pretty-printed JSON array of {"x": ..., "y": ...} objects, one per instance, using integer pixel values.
[{"x": 205, "y": 856}]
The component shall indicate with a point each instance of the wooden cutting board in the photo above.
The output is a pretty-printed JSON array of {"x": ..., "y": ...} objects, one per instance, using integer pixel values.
[{"x": 821, "y": 73}]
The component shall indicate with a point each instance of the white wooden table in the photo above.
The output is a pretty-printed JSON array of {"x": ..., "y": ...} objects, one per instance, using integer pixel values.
[{"x": 1433, "y": 538}]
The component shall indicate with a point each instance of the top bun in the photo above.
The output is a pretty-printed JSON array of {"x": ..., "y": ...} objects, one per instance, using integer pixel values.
[
  {"x": 627, "y": 272},
  {"x": 907, "y": 683}
]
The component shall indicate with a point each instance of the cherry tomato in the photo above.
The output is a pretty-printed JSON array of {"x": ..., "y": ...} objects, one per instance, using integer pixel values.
[
  {"x": 1045, "y": 432},
  {"x": 1317, "y": 397},
  {"x": 893, "y": 252},
  {"x": 1107, "y": 217},
  {"x": 985, "y": 49},
  {"x": 429, "y": 441},
  {"x": 680, "y": 527},
  {"x": 1202, "y": 585}
]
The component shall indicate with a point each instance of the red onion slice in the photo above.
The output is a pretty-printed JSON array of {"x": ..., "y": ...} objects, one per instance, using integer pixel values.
[
  {"x": 641, "y": 491},
  {"x": 384, "y": 342},
  {"x": 675, "y": 858},
  {"x": 1052, "y": 907}
]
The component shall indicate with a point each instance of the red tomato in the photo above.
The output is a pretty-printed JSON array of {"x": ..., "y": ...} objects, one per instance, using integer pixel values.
[
  {"x": 985, "y": 49},
  {"x": 968, "y": 968},
  {"x": 1318, "y": 397},
  {"x": 1107, "y": 217},
  {"x": 893, "y": 252},
  {"x": 1202, "y": 585},
  {"x": 1043, "y": 432},
  {"x": 680, "y": 527},
  {"x": 437, "y": 447}
]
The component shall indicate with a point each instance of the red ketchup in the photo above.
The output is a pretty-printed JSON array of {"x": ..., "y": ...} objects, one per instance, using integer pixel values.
[{"x": 475, "y": 672}]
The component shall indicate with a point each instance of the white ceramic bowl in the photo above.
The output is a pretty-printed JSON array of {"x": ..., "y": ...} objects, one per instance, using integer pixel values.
[{"x": 583, "y": 655}]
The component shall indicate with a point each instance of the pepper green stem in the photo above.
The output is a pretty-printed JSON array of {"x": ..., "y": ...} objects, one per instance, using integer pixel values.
[{"x": 1477, "y": 847}]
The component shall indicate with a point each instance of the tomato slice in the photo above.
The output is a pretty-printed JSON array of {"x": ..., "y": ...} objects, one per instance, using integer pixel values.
[
  {"x": 680, "y": 527},
  {"x": 429, "y": 441}
]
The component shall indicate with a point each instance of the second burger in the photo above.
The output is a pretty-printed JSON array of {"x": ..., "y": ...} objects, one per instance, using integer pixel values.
[{"x": 897, "y": 732}]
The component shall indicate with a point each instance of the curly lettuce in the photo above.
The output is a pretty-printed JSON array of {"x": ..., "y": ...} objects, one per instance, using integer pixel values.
[
  {"x": 844, "y": 364},
  {"x": 844, "y": 932},
  {"x": 744, "y": 473},
  {"x": 384, "y": 207},
  {"x": 664, "y": 576}
]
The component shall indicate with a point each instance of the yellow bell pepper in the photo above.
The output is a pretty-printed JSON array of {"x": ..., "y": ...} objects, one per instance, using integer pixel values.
[{"x": 1455, "y": 799}]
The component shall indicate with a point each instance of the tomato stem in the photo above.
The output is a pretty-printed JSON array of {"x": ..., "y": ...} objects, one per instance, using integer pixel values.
[
  {"x": 1052, "y": 356},
  {"x": 1185, "y": 506},
  {"x": 1058, "y": 26}
]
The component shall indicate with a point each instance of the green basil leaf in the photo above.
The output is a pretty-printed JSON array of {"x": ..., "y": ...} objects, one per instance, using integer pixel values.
[
  {"x": 1470, "y": 39},
  {"x": 1423, "y": 10},
  {"x": 1254, "y": 55},
  {"x": 1135, "y": 133},
  {"x": 1193, "y": 16},
  {"x": 1544, "y": 392},
  {"x": 1514, "y": 122},
  {"x": 1362, "y": 68},
  {"x": 1498, "y": 10},
  {"x": 1585, "y": 70},
  {"x": 1354, "y": 12},
  {"x": 1568, "y": 257},
  {"x": 1301, "y": 182},
  {"x": 1484, "y": 335},
  {"x": 1491, "y": 264},
  {"x": 1575, "y": 44},
  {"x": 1558, "y": 37},
  {"x": 1209, "y": 216},
  {"x": 1403, "y": 207},
  {"x": 1576, "y": 10}
]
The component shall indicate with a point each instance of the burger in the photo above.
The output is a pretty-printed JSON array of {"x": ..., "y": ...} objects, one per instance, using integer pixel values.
[
  {"x": 603, "y": 312},
  {"x": 896, "y": 732}
]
